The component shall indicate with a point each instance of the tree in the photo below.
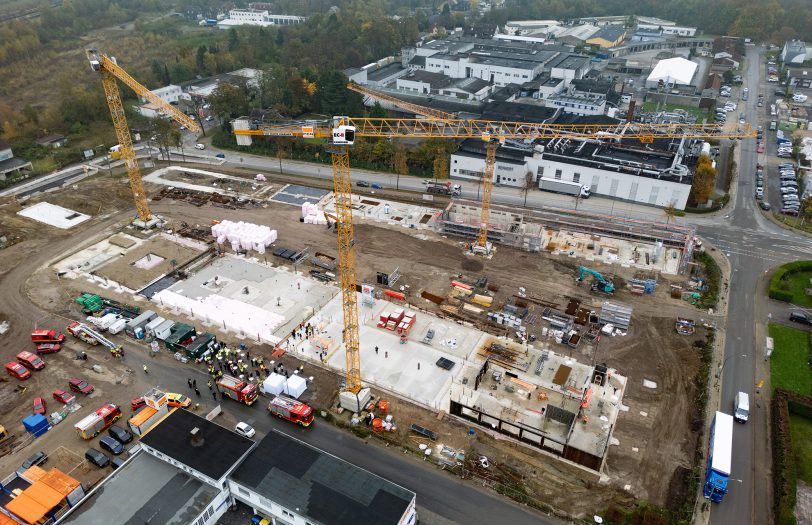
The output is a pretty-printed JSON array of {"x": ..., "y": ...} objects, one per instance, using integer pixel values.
[
  {"x": 233, "y": 40},
  {"x": 808, "y": 206},
  {"x": 166, "y": 134},
  {"x": 200, "y": 59},
  {"x": 670, "y": 212},
  {"x": 229, "y": 101},
  {"x": 377, "y": 111},
  {"x": 704, "y": 180},
  {"x": 440, "y": 165},
  {"x": 399, "y": 160},
  {"x": 727, "y": 76},
  {"x": 527, "y": 184}
]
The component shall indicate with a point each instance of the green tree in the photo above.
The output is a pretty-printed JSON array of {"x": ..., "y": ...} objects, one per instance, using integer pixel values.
[
  {"x": 229, "y": 101},
  {"x": 440, "y": 165},
  {"x": 399, "y": 160},
  {"x": 377, "y": 111},
  {"x": 167, "y": 135},
  {"x": 233, "y": 40},
  {"x": 200, "y": 59},
  {"x": 157, "y": 70}
]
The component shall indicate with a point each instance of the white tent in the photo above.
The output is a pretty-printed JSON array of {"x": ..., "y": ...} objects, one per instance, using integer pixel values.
[
  {"x": 673, "y": 71},
  {"x": 296, "y": 386},
  {"x": 274, "y": 384}
]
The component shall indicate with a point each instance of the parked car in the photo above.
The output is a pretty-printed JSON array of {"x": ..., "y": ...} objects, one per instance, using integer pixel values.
[
  {"x": 245, "y": 429},
  {"x": 97, "y": 457},
  {"x": 200, "y": 146},
  {"x": 362, "y": 184},
  {"x": 765, "y": 206},
  {"x": 48, "y": 348},
  {"x": 36, "y": 459},
  {"x": 376, "y": 186},
  {"x": 39, "y": 406},
  {"x": 117, "y": 462},
  {"x": 760, "y": 147},
  {"x": 111, "y": 445},
  {"x": 17, "y": 371},
  {"x": 137, "y": 403},
  {"x": 31, "y": 361},
  {"x": 790, "y": 211},
  {"x": 122, "y": 435},
  {"x": 800, "y": 317},
  {"x": 80, "y": 385},
  {"x": 63, "y": 397},
  {"x": 221, "y": 155}
]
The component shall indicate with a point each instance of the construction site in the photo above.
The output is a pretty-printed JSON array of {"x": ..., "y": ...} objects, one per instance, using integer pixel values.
[{"x": 541, "y": 340}]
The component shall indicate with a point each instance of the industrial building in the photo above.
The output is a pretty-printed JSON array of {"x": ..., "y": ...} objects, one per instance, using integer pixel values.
[
  {"x": 191, "y": 470},
  {"x": 649, "y": 174},
  {"x": 258, "y": 17},
  {"x": 607, "y": 36},
  {"x": 795, "y": 52},
  {"x": 675, "y": 71}
]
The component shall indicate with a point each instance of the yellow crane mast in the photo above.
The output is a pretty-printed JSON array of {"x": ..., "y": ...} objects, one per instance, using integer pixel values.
[
  {"x": 341, "y": 133},
  {"x": 110, "y": 71}
]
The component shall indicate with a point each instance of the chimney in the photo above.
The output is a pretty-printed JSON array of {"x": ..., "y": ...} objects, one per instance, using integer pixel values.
[{"x": 195, "y": 439}]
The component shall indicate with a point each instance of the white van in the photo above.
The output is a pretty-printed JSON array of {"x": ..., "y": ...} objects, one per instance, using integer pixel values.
[{"x": 741, "y": 407}]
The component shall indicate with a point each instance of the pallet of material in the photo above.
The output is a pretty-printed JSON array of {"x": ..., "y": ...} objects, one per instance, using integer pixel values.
[
  {"x": 459, "y": 284},
  {"x": 524, "y": 384},
  {"x": 482, "y": 300},
  {"x": 472, "y": 309},
  {"x": 462, "y": 291},
  {"x": 449, "y": 309}
]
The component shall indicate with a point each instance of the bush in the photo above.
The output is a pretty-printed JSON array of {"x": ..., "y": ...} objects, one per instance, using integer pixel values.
[
  {"x": 780, "y": 288},
  {"x": 718, "y": 204},
  {"x": 713, "y": 275}
]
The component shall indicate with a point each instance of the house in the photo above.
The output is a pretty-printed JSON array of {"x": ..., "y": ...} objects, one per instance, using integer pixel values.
[
  {"x": 712, "y": 86},
  {"x": 9, "y": 165},
  {"x": 724, "y": 62},
  {"x": 733, "y": 46},
  {"x": 607, "y": 36},
  {"x": 795, "y": 52},
  {"x": 170, "y": 94},
  {"x": 52, "y": 141}
]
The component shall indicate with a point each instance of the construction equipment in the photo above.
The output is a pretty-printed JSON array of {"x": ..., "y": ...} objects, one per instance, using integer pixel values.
[
  {"x": 341, "y": 133},
  {"x": 601, "y": 284},
  {"x": 407, "y": 106},
  {"x": 84, "y": 333},
  {"x": 110, "y": 71}
]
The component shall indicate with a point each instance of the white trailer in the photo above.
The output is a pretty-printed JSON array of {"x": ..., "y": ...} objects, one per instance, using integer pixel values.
[{"x": 564, "y": 186}]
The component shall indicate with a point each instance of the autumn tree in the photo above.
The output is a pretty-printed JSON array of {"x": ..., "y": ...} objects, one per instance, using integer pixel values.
[
  {"x": 670, "y": 212},
  {"x": 704, "y": 180},
  {"x": 440, "y": 165}
]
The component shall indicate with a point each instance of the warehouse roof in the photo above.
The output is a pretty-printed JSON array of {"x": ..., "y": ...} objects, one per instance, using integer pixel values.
[
  {"x": 320, "y": 486},
  {"x": 609, "y": 33},
  {"x": 216, "y": 452}
]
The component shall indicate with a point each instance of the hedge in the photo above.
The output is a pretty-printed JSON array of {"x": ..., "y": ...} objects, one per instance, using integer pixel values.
[
  {"x": 718, "y": 204},
  {"x": 776, "y": 292},
  {"x": 784, "y": 468}
]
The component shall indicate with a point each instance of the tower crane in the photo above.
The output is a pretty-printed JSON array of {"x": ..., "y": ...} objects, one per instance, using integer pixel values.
[
  {"x": 341, "y": 133},
  {"x": 110, "y": 71}
]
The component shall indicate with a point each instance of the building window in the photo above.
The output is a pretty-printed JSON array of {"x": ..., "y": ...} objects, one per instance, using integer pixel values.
[
  {"x": 286, "y": 513},
  {"x": 557, "y": 174},
  {"x": 540, "y": 172},
  {"x": 576, "y": 177},
  {"x": 243, "y": 491}
]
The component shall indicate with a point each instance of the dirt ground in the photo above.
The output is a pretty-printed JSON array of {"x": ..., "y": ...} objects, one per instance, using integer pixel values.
[{"x": 652, "y": 350}]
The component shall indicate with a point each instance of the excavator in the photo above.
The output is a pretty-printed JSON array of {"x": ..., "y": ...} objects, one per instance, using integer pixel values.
[{"x": 601, "y": 284}]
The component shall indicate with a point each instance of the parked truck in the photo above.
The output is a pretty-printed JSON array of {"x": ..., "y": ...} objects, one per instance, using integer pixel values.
[
  {"x": 47, "y": 336},
  {"x": 443, "y": 188},
  {"x": 291, "y": 409},
  {"x": 237, "y": 389},
  {"x": 565, "y": 187},
  {"x": 93, "y": 424}
]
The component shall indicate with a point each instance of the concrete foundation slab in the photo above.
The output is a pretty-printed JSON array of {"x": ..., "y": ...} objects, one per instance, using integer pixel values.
[{"x": 54, "y": 215}]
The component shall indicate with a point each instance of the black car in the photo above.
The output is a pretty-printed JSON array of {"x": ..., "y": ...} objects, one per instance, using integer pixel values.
[
  {"x": 97, "y": 458},
  {"x": 362, "y": 184},
  {"x": 111, "y": 445},
  {"x": 120, "y": 434},
  {"x": 800, "y": 317},
  {"x": 35, "y": 460},
  {"x": 116, "y": 462},
  {"x": 765, "y": 206}
]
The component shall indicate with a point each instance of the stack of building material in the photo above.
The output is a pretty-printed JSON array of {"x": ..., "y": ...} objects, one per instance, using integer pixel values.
[
  {"x": 244, "y": 235},
  {"x": 617, "y": 314},
  {"x": 482, "y": 300},
  {"x": 398, "y": 321},
  {"x": 312, "y": 214},
  {"x": 508, "y": 320}
]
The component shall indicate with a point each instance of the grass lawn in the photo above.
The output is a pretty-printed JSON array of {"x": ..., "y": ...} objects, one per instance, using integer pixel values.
[
  {"x": 699, "y": 113},
  {"x": 801, "y": 430},
  {"x": 800, "y": 281},
  {"x": 790, "y": 359}
]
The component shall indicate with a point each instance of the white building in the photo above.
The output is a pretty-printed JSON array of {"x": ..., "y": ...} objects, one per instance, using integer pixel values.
[
  {"x": 258, "y": 17},
  {"x": 170, "y": 94},
  {"x": 626, "y": 171},
  {"x": 668, "y": 30},
  {"x": 672, "y": 72},
  {"x": 579, "y": 103},
  {"x": 795, "y": 52}
]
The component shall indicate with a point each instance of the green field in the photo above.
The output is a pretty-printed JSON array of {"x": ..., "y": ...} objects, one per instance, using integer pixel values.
[
  {"x": 798, "y": 282},
  {"x": 699, "y": 113},
  {"x": 801, "y": 430},
  {"x": 789, "y": 367}
]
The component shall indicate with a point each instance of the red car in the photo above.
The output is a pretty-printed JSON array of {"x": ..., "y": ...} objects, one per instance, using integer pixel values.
[
  {"x": 17, "y": 370},
  {"x": 39, "y": 406},
  {"x": 760, "y": 147},
  {"x": 48, "y": 348},
  {"x": 137, "y": 403},
  {"x": 80, "y": 385},
  {"x": 31, "y": 361},
  {"x": 63, "y": 397}
]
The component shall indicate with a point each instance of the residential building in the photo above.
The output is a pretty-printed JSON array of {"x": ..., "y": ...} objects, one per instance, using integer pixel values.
[
  {"x": 52, "y": 141},
  {"x": 294, "y": 483},
  {"x": 795, "y": 52},
  {"x": 10, "y": 165},
  {"x": 652, "y": 174},
  {"x": 723, "y": 61},
  {"x": 170, "y": 94},
  {"x": 607, "y": 36},
  {"x": 672, "y": 72}
]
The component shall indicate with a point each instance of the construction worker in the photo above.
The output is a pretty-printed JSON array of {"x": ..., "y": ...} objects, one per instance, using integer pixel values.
[
  {"x": 209, "y": 384},
  {"x": 145, "y": 369}
]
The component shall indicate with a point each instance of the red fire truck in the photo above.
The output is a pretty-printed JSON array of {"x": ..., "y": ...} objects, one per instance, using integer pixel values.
[
  {"x": 291, "y": 409},
  {"x": 237, "y": 389},
  {"x": 93, "y": 424}
]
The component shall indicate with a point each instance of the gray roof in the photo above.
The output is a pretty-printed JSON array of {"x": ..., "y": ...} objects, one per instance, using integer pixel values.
[
  {"x": 570, "y": 61},
  {"x": 384, "y": 72},
  {"x": 418, "y": 61},
  {"x": 320, "y": 486},
  {"x": 609, "y": 33},
  {"x": 12, "y": 164},
  {"x": 471, "y": 85},
  {"x": 145, "y": 490}
]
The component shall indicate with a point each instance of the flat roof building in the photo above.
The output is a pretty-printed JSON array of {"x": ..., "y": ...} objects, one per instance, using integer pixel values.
[
  {"x": 672, "y": 72},
  {"x": 297, "y": 483}
]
